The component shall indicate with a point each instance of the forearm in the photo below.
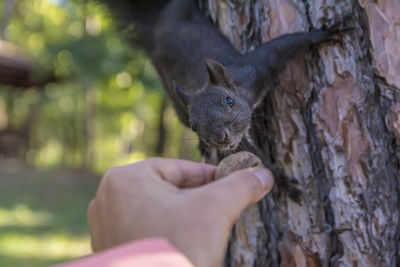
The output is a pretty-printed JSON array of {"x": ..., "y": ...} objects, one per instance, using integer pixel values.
[{"x": 146, "y": 252}]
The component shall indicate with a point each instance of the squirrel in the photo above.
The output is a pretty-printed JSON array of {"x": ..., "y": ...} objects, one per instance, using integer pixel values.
[{"x": 214, "y": 88}]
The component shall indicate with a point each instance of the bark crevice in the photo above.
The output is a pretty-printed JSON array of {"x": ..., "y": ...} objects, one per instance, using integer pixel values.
[{"x": 332, "y": 121}]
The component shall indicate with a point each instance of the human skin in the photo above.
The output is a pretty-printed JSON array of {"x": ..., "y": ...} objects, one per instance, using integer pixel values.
[{"x": 177, "y": 200}]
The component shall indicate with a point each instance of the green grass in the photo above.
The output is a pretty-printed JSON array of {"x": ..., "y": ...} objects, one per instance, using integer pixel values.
[{"x": 43, "y": 215}]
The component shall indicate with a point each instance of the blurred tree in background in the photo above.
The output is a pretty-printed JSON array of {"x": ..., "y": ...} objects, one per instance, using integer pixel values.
[{"x": 105, "y": 106}]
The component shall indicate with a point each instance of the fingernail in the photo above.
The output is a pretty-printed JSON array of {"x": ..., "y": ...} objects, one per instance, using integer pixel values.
[{"x": 265, "y": 178}]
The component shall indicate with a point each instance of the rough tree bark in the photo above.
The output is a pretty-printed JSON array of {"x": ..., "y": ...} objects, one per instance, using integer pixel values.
[{"x": 333, "y": 122}]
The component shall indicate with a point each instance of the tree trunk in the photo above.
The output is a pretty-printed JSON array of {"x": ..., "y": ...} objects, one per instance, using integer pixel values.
[{"x": 333, "y": 123}]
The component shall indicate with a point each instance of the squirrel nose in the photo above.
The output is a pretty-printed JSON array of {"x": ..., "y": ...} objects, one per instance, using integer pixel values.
[{"x": 222, "y": 137}]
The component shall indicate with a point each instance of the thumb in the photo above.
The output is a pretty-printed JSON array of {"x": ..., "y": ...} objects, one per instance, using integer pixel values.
[{"x": 240, "y": 189}]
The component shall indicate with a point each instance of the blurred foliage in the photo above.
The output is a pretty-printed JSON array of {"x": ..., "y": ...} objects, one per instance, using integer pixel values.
[
  {"x": 104, "y": 110},
  {"x": 104, "y": 107},
  {"x": 43, "y": 216}
]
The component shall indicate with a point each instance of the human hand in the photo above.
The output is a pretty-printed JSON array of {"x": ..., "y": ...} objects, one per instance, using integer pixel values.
[{"x": 177, "y": 200}]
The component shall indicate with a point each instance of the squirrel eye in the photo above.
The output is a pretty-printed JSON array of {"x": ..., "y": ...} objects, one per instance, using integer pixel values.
[{"x": 229, "y": 101}]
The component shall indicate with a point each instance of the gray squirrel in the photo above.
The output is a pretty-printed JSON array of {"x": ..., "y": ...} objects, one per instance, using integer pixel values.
[{"x": 214, "y": 88}]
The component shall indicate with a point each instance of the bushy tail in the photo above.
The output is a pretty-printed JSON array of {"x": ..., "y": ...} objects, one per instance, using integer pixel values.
[{"x": 143, "y": 14}]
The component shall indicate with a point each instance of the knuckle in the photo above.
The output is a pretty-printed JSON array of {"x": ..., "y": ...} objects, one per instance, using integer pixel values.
[
  {"x": 110, "y": 180},
  {"x": 151, "y": 161},
  {"x": 119, "y": 178},
  {"x": 111, "y": 173}
]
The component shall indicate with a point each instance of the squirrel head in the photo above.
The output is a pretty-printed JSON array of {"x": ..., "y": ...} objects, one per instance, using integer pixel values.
[{"x": 218, "y": 113}]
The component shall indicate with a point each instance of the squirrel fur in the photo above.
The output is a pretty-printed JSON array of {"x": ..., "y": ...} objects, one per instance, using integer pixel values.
[{"x": 213, "y": 87}]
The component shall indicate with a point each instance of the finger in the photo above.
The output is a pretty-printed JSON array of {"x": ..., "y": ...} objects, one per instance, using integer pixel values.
[
  {"x": 182, "y": 173},
  {"x": 240, "y": 189}
]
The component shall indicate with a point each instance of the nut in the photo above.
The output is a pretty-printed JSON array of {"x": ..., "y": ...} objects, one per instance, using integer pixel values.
[{"x": 237, "y": 161}]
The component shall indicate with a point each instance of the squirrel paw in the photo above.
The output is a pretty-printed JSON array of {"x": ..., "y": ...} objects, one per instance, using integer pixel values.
[
  {"x": 286, "y": 184},
  {"x": 337, "y": 27}
]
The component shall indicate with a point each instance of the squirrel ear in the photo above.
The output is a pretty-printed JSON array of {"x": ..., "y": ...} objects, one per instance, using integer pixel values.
[
  {"x": 218, "y": 74},
  {"x": 183, "y": 97}
]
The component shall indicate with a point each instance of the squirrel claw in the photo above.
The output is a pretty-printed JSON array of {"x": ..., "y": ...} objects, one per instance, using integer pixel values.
[
  {"x": 335, "y": 27},
  {"x": 294, "y": 181},
  {"x": 348, "y": 29},
  {"x": 334, "y": 40},
  {"x": 287, "y": 184}
]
